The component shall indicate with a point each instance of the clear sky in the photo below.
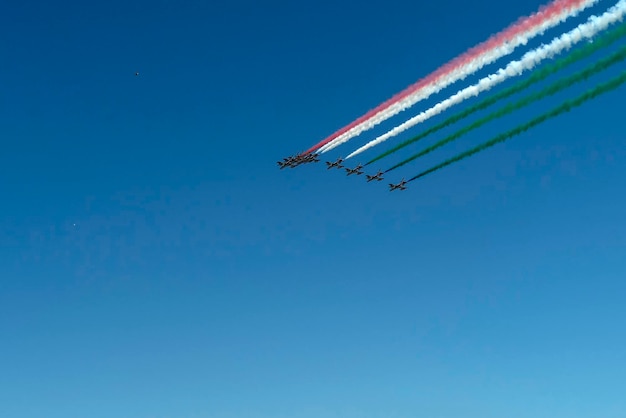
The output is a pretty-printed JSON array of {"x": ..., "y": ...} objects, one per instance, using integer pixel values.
[{"x": 155, "y": 263}]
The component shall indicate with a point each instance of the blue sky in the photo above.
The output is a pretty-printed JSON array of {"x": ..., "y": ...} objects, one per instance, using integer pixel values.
[{"x": 155, "y": 263}]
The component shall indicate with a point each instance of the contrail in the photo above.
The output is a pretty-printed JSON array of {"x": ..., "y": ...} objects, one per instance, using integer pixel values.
[
  {"x": 565, "y": 107},
  {"x": 539, "y": 75},
  {"x": 474, "y": 59},
  {"x": 514, "y": 68},
  {"x": 510, "y": 108}
]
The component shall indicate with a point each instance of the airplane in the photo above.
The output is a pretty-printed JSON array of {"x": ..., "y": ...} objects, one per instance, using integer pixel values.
[
  {"x": 306, "y": 159},
  {"x": 335, "y": 164},
  {"x": 288, "y": 162},
  {"x": 356, "y": 170},
  {"x": 378, "y": 176},
  {"x": 295, "y": 160},
  {"x": 399, "y": 186}
]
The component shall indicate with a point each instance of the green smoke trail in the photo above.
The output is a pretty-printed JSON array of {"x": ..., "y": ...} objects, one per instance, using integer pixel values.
[
  {"x": 565, "y": 107},
  {"x": 538, "y": 75},
  {"x": 547, "y": 91}
]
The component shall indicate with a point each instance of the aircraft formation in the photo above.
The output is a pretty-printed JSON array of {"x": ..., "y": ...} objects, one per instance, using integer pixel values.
[
  {"x": 538, "y": 73},
  {"x": 296, "y": 160}
]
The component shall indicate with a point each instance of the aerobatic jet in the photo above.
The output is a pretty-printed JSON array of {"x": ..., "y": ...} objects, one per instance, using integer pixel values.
[
  {"x": 399, "y": 186},
  {"x": 335, "y": 164},
  {"x": 288, "y": 162},
  {"x": 356, "y": 170},
  {"x": 378, "y": 177},
  {"x": 295, "y": 160}
]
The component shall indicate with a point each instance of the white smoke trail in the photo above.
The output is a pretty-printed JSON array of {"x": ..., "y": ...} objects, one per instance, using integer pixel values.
[
  {"x": 484, "y": 58},
  {"x": 531, "y": 59}
]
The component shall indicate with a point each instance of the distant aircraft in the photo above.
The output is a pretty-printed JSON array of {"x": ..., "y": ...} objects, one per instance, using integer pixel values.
[
  {"x": 295, "y": 160},
  {"x": 356, "y": 170},
  {"x": 335, "y": 164},
  {"x": 399, "y": 186},
  {"x": 287, "y": 162},
  {"x": 137, "y": 73},
  {"x": 378, "y": 177}
]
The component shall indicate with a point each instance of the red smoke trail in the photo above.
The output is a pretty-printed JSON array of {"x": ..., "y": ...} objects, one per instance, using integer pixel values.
[{"x": 523, "y": 24}]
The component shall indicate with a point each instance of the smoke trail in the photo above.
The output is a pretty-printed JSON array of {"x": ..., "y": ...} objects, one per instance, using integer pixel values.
[
  {"x": 514, "y": 68},
  {"x": 497, "y": 46},
  {"x": 548, "y": 91},
  {"x": 539, "y": 75},
  {"x": 565, "y": 107}
]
